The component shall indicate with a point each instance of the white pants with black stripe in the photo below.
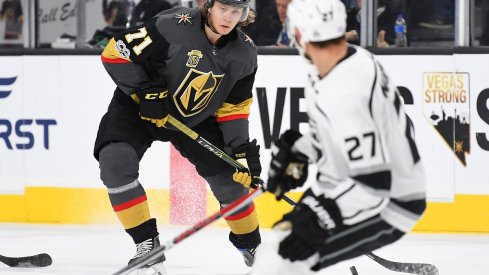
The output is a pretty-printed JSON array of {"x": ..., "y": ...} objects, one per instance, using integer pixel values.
[{"x": 347, "y": 244}]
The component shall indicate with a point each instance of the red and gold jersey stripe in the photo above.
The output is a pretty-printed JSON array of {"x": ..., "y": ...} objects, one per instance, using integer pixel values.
[{"x": 230, "y": 111}]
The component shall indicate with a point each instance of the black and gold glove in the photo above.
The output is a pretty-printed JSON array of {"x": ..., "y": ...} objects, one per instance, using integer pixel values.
[
  {"x": 154, "y": 105},
  {"x": 288, "y": 170},
  {"x": 248, "y": 155}
]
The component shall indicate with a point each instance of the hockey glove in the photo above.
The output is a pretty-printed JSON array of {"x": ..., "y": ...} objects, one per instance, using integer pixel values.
[
  {"x": 311, "y": 222},
  {"x": 248, "y": 155},
  {"x": 154, "y": 105},
  {"x": 288, "y": 170}
]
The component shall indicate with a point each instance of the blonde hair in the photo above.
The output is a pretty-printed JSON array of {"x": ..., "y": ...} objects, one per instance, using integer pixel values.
[{"x": 250, "y": 19}]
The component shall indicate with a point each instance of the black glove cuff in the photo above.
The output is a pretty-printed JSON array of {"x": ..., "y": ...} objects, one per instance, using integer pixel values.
[
  {"x": 289, "y": 137},
  {"x": 247, "y": 149},
  {"x": 325, "y": 209},
  {"x": 155, "y": 93},
  {"x": 152, "y": 109}
]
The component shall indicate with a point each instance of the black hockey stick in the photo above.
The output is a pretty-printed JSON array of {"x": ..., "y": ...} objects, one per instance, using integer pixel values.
[
  {"x": 413, "y": 268},
  {"x": 222, "y": 155},
  {"x": 39, "y": 260},
  {"x": 159, "y": 251},
  {"x": 215, "y": 150}
]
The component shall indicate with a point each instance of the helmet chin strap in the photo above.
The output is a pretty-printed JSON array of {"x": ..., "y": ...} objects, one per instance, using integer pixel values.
[
  {"x": 209, "y": 24},
  {"x": 299, "y": 45}
]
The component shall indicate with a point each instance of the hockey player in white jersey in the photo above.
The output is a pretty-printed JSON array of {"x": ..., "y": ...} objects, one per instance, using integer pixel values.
[{"x": 370, "y": 186}]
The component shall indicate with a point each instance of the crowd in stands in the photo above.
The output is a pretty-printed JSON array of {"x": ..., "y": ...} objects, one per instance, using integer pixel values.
[
  {"x": 11, "y": 22},
  {"x": 428, "y": 21}
]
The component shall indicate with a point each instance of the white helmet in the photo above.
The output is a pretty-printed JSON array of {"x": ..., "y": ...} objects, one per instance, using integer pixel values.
[{"x": 316, "y": 20}]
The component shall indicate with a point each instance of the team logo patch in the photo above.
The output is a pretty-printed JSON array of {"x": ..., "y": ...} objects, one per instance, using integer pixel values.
[
  {"x": 196, "y": 91},
  {"x": 446, "y": 105},
  {"x": 122, "y": 49},
  {"x": 183, "y": 18},
  {"x": 194, "y": 57}
]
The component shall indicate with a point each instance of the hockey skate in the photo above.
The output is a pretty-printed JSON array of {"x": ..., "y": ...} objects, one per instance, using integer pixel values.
[
  {"x": 248, "y": 255},
  {"x": 246, "y": 244},
  {"x": 155, "y": 267}
]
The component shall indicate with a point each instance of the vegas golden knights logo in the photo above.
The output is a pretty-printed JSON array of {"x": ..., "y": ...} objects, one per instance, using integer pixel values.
[
  {"x": 196, "y": 91},
  {"x": 194, "y": 57}
]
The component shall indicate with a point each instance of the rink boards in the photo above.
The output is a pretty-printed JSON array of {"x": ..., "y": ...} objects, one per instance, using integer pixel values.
[{"x": 50, "y": 107}]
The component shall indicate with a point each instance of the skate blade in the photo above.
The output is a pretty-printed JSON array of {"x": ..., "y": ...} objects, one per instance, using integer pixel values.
[{"x": 156, "y": 269}]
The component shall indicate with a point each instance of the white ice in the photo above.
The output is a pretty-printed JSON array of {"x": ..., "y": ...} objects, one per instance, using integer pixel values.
[{"x": 105, "y": 249}]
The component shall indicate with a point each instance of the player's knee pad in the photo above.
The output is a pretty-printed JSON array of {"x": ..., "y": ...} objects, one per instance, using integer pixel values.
[
  {"x": 119, "y": 164},
  {"x": 225, "y": 189}
]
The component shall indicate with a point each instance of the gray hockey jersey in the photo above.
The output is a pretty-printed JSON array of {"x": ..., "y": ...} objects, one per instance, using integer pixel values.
[{"x": 172, "y": 51}]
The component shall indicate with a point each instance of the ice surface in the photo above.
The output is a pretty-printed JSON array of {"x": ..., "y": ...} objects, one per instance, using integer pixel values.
[{"x": 90, "y": 249}]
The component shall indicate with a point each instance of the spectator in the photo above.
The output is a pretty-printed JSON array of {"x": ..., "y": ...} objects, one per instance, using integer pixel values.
[
  {"x": 146, "y": 9},
  {"x": 442, "y": 16},
  {"x": 387, "y": 13},
  {"x": 12, "y": 16},
  {"x": 352, "y": 21},
  {"x": 284, "y": 38},
  {"x": 381, "y": 43},
  {"x": 116, "y": 12},
  {"x": 266, "y": 26},
  {"x": 389, "y": 10},
  {"x": 270, "y": 28},
  {"x": 116, "y": 17}
]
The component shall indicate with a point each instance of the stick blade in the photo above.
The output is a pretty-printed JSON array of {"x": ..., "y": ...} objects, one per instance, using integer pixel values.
[
  {"x": 39, "y": 260},
  {"x": 412, "y": 268}
]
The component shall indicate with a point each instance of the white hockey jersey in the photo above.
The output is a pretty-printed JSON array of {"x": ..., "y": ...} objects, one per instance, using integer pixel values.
[{"x": 362, "y": 142}]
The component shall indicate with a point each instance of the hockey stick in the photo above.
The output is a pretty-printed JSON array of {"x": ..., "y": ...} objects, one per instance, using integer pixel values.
[
  {"x": 413, "y": 268},
  {"x": 159, "y": 251},
  {"x": 222, "y": 155},
  {"x": 39, "y": 260},
  {"x": 215, "y": 150}
]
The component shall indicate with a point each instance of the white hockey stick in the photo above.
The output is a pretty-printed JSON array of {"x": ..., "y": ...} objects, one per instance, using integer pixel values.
[{"x": 413, "y": 268}]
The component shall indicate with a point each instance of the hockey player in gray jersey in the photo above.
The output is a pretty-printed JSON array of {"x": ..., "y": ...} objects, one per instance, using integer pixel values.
[
  {"x": 199, "y": 67},
  {"x": 370, "y": 186}
]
